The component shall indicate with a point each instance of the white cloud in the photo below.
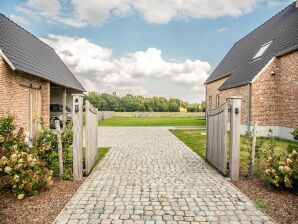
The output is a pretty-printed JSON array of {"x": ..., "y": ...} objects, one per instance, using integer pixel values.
[
  {"x": 90, "y": 86},
  {"x": 20, "y": 20},
  {"x": 45, "y": 7},
  {"x": 100, "y": 71},
  {"x": 95, "y": 12},
  {"x": 275, "y": 3},
  {"x": 163, "y": 11},
  {"x": 222, "y": 29},
  {"x": 33, "y": 15}
]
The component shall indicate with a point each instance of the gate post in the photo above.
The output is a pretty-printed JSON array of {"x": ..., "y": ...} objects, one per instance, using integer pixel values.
[
  {"x": 235, "y": 115},
  {"x": 77, "y": 117}
]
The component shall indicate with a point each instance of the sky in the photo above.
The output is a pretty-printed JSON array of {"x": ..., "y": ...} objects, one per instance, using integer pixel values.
[{"x": 142, "y": 47}]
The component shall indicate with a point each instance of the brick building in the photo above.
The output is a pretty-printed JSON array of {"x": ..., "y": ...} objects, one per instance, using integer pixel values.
[
  {"x": 32, "y": 76},
  {"x": 262, "y": 67}
]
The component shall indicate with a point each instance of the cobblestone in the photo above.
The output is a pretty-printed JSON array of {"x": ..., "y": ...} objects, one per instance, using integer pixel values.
[{"x": 150, "y": 177}]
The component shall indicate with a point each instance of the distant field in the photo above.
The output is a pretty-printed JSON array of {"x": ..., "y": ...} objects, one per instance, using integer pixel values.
[
  {"x": 157, "y": 121},
  {"x": 159, "y": 114}
]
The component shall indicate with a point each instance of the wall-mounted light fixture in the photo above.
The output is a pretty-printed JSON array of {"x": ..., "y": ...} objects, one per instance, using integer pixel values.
[
  {"x": 272, "y": 72},
  {"x": 76, "y": 105}
]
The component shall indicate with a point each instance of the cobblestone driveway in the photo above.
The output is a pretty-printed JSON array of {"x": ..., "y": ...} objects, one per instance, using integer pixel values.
[{"x": 149, "y": 176}]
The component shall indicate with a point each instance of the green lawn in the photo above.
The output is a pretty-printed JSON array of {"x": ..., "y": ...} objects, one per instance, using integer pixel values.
[
  {"x": 196, "y": 141},
  {"x": 160, "y": 121},
  {"x": 101, "y": 153}
]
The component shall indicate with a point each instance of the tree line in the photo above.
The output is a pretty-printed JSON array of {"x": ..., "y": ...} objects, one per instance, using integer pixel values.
[{"x": 131, "y": 103}]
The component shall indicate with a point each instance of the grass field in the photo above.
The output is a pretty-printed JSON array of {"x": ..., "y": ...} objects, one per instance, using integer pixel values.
[
  {"x": 158, "y": 121},
  {"x": 196, "y": 141},
  {"x": 159, "y": 114}
]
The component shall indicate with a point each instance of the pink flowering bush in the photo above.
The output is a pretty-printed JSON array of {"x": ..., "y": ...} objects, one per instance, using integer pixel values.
[{"x": 22, "y": 168}]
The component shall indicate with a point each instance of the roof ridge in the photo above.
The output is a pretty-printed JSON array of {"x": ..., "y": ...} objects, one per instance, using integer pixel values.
[
  {"x": 26, "y": 31},
  {"x": 264, "y": 23}
]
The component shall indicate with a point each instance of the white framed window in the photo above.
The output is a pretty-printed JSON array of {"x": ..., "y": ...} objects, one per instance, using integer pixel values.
[
  {"x": 262, "y": 50},
  {"x": 210, "y": 102},
  {"x": 217, "y": 100}
]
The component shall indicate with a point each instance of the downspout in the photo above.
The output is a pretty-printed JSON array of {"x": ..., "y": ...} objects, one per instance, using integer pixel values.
[{"x": 249, "y": 107}]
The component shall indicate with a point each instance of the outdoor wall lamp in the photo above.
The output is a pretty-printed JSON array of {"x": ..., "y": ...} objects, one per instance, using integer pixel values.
[
  {"x": 237, "y": 110},
  {"x": 76, "y": 106}
]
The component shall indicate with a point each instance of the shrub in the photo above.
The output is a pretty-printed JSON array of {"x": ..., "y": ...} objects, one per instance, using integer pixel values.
[
  {"x": 281, "y": 170},
  {"x": 293, "y": 146},
  {"x": 295, "y": 133},
  {"x": 20, "y": 165},
  {"x": 50, "y": 154}
]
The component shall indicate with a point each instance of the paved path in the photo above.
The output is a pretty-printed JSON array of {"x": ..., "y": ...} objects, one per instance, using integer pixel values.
[{"x": 149, "y": 176}]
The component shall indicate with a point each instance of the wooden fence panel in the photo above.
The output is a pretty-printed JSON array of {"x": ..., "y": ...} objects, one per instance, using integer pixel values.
[
  {"x": 91, "y": 136},
  {"x": 216, "y": 151},
  {"x": 77, "y": 116}
]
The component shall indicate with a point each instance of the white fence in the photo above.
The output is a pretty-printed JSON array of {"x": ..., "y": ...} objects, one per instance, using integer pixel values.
[
  {"x": 103, "y": 115},
  {"x": 90, "y": 134},
  {"x": 217, "y": 128}
]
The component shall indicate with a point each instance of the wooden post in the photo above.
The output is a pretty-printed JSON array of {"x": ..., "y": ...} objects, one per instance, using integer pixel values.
[
  {"x": 253, "y": 152},
  {"x": 235, "y": 114},
  {"x": 77, "y": 117},
  {"x": 59, "y": 141},
  {"x": 64, "y": 109}
]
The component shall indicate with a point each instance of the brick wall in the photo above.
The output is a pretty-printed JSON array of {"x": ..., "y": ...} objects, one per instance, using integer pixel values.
[
  {"x": 212, "y": 90},
  {"x": 15, "y": 99},
  {"x": 274, "y": 97}
]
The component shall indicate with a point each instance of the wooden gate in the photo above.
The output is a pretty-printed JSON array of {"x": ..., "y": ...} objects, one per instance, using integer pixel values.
[
  {"x": 34, "y": 107},
  {"x": 91, "y": 136},
  {"x": 219, "y": 121},
  {"x": 216, "y": 152},
  {"x": 35, "y": 111}
]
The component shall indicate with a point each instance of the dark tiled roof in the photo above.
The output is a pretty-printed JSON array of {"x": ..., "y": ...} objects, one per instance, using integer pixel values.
[
  {"x": 282, "y": 30},
  {"x": 30, "y": 55}
]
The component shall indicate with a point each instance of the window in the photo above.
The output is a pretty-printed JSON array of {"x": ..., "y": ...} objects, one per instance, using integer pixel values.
[
  {"x": 210, "y": 102},
  {"x": 262, "y": 50},
  {"x": 217, "y": 100}
]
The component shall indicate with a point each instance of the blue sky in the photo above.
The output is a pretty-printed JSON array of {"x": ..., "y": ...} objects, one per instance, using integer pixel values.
[{"x": 162, "y": 48}]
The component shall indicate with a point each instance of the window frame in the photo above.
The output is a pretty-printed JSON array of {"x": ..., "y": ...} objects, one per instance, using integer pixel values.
[
  {"x": 210, "y": 102},
  {"x": 262, "y": 50},
  {"x": 217, "y": 100}
]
